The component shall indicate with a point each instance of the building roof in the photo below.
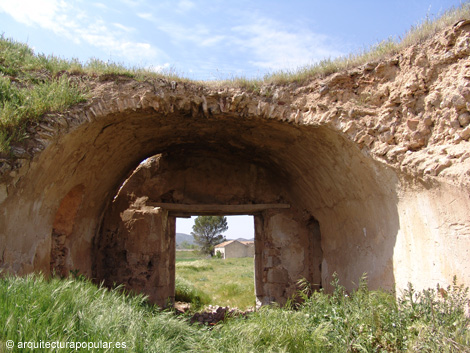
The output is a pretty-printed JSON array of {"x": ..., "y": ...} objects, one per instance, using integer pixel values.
[
  {"x": 225, "y": 243},
  {"x": 248, "y": 242}
]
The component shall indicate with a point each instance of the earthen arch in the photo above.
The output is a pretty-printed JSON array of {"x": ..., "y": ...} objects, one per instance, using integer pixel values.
[{"x": 376, "y": 154}]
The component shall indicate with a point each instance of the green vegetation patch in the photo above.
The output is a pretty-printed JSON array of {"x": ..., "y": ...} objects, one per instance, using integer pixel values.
[
  {"x": 195, "y": 266},
  {"x": 227, "y": 282},
  {"x": 36, "y": 309},
  {"x": 74, "y": 310},
  {"x": 361, "y": 321},
  {"x": 185, "y": 291},
  {"x": 30, "y": 86},
  {"x": 185, "y": 255}
]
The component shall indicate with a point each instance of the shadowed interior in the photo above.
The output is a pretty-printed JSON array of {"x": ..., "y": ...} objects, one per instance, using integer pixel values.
[{"x": 321, "y": 174}]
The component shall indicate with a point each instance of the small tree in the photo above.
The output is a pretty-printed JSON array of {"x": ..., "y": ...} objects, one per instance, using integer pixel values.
[{"x": 207, "y": 232}]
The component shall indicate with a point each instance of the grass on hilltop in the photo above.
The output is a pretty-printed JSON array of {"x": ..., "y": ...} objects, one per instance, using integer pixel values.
[
  {"x": 384, "y": 49},
  {"x": 34, "y": 84},
  {"x": 33, "y": 308}
]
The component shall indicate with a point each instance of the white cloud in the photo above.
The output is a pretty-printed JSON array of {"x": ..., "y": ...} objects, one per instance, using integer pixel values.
[
  {"x": 31, "y": 12},
  {"x": 199, "y": 35},
  {"x": 270, "y": 45},
  {"x": 244, "y": 41},
  {"x": 185, "y": 5},
  {"x": 211, "y": 41},
  {"x": 100, "y": 5},
  {"x": 262, "y": 42},
  {"x": 124, "y": 28},
  {"x": 146, "y": 16},
  {"x": 67, "y": 20},
  {"x": 133, "y": 3},
  {"x": 159, "y": 68}
]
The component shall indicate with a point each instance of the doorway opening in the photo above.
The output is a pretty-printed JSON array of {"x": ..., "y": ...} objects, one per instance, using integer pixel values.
[{"x": 223, "y": 277}]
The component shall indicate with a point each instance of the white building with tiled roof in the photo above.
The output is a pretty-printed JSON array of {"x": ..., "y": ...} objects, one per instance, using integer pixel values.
[{"x": 235, "y": 248}]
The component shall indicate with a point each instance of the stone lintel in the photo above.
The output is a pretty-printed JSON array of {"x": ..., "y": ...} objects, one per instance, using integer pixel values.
[{"x": 183, "y": 210}]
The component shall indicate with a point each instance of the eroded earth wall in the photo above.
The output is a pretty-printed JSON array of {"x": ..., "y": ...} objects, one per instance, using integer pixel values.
[{"x": 379, "y": 155}]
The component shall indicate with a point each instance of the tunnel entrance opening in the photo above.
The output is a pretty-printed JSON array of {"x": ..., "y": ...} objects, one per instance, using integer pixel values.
[
  {"x": 136, "y": 242},
  {"x": 140, "y": 252},
  {"x": 224, "y": 279},
  {"x": 324, "y": 154}
]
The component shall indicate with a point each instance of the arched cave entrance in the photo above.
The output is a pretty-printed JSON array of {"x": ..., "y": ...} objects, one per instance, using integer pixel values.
[
  {"x": 135, "y": 245},
  {"x": 215, "y": 150},
  {"x": 385, "y": 177}
]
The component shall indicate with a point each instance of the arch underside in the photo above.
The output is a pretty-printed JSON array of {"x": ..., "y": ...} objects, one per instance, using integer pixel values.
[
  {"x": 219, "y": 148},
  {"x": 226, "y": 159}
]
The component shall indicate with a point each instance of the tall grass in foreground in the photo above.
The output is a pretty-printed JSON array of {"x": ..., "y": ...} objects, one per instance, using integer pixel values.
[
  {"x": 362, "y": 321},
  {"x": 34, "y": 309}
]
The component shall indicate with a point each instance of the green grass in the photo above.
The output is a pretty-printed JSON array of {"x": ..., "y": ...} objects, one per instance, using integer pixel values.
[
  {"x": 32, "y": 85},
  {"x": 226, "y": 282},
  {"x": 191, "y": 255},
  {"x": 185, "y": 291},
  {"x": 74, "y": 310},
  {"x": 35, "y": 309}
]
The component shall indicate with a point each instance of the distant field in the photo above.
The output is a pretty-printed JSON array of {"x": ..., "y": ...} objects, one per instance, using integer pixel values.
[
  {"x": 227, "y": 282},
  {"x": 188, "y": 255}
]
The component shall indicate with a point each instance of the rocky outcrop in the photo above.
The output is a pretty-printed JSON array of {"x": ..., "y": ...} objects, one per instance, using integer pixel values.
[
  {"x": 215, "y": 315},
  {"x": 377, "y": 155}
]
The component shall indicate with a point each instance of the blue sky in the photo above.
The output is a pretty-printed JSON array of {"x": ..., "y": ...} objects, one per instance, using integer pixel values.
[
  {"x": 214, "y": 39},
  {"x": 238, "y": 226},
  {"x": 206, "y": 40}
]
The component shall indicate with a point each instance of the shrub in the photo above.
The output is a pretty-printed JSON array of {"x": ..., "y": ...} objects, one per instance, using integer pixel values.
[{"x": 361, "y": 321}]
